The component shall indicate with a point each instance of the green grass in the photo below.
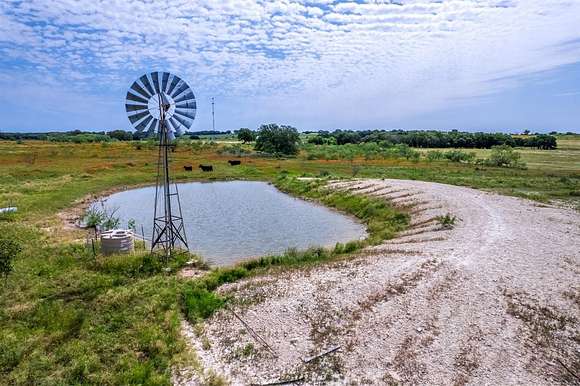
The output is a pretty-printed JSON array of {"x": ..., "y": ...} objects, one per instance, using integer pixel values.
[{"x": 68, "y": 319}]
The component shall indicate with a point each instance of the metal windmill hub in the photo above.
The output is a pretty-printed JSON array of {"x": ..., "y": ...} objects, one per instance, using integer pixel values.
[{"x": 168, "y": 107}]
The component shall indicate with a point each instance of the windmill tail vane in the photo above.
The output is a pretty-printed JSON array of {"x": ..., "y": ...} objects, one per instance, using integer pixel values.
[{"x": 163, "y": 105}]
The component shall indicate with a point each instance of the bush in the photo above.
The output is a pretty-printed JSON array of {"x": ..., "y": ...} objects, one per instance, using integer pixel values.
[
  {"x": 235, "y": 150},
  {"x": 504, "y": 156},
  {"x": 246, "y": 135},
  {"x": 434, "y": 155},
  {"x": 459, "y": 156},
  {"x": 276, "y": 139},
  {"x": 350, "y": 151},
  {"x": 9, "y": 249},
  {"x": 101, "y": 219}
]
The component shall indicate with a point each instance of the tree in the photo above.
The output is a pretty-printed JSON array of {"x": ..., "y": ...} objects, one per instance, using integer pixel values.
[
  {"x": 9, "y": 249},
  {"x": 277, "y": 139},
  {"x": 246, "y": 135},
  {"x": 317, "y": 140},
  {"x": 121, "y": 135}
]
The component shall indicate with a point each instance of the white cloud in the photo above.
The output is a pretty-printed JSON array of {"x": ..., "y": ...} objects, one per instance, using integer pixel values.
[{"x": 351, "y": 63}]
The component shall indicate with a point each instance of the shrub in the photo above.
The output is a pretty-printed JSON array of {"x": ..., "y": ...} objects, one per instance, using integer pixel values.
[
  {"x": 459, "y": 156},
  {"x": 101, "y": 219},
  {"x": 235, "y": 150},
  {"x": 435, "y": 155},
  {"x": 448, "y": 221},
  {"x": 504, "y": 156},
  {"x": 9, "y": 249}
]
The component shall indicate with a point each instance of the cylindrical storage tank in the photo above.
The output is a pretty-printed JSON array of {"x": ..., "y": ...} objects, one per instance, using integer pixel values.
[{"x": 117, "y": 241}]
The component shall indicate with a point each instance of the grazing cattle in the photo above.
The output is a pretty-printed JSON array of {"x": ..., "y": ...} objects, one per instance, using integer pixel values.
[
  {"x": 188, "y": 168},
  {"x": 234, "y": 162},
  {"x": 206, "y": 168}
]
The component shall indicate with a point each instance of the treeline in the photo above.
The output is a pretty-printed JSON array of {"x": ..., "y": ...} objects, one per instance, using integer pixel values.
[
  {"x": 434, "y": 139},
  {"x": 78, "y": 136},
  {"x": 74, "y": 136}
]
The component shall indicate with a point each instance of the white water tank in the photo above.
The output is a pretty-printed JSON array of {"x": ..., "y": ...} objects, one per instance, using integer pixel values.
[{"x": 117, "y": 241}]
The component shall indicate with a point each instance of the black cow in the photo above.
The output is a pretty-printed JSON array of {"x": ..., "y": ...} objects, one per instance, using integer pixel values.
[
  {"x": 206, "y": 168},
  {"x": 188, "y": 168},
  {"x": 234, "y": 162}
]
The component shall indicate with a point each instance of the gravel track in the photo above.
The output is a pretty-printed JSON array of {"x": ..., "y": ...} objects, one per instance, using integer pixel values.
[{"x": 494, "y": 300}]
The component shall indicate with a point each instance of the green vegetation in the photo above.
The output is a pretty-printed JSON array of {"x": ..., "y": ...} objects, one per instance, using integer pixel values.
[
  {"x": 277, "y": 140},
  {"x": 67, "y": 317},
  {"x": 368, "y": 151},
  {"x": 101, "y": 219},
  {"x": 504, "y": 156},
  {"x": 246, "y": 135},
  {"x": 451, "y": 155},
  {"x": 434, "y": 139},
  {"x": 9, "y": 249},
  {"x": 447, "y": 221}
]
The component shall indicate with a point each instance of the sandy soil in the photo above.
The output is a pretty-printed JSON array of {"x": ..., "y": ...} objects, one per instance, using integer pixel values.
[{"x": 494, "y": 300}]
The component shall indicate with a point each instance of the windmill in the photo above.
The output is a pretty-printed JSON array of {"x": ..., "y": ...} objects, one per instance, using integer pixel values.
[{"x": 162, "y": 104}]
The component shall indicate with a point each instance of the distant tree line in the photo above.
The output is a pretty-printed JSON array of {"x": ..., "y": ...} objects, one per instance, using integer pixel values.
[
  {"x": 79, "y": 136},
  {"x": 414, "y": 138},
  {"x": 433, "y": 139}
]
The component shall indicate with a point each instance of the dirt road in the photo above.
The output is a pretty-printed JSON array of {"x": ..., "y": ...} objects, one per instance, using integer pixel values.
[{"x": 494, "y": 300}]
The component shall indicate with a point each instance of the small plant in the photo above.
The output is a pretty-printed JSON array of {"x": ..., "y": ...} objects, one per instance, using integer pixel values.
[
  {"x": 448, "y": 221},
  {"x": 101, "y": 219},
  {"x": 435, "y": 155},
  {"x": 9, "y": 249}
]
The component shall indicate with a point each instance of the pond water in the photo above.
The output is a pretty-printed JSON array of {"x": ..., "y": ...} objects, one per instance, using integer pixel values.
[{"x": 227, "y": 222}]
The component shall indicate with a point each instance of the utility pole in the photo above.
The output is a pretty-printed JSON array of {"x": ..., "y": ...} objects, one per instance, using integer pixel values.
[{"x": 212, "y": 113}]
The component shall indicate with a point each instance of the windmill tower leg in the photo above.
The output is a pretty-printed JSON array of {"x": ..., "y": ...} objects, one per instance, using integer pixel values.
[{"x": 168, "y": 229}]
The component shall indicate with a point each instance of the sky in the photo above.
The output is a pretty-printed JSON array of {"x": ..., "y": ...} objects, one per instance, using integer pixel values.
[{"x": 414, "y": 64}]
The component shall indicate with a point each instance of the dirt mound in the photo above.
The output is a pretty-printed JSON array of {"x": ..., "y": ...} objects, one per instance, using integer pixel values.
[{"x": 491, "y": 299}]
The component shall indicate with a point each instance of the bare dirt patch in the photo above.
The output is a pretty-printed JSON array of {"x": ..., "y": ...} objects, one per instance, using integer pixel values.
[{"x": 494, "y": 300}]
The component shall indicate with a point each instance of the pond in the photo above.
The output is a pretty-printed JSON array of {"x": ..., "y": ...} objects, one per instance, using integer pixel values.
[{"x": 230, "y": 221}]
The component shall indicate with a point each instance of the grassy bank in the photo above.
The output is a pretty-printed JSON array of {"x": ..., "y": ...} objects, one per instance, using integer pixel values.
[
  {"x": 68, "y": 318},
  {"x": 382, "y": 222}
]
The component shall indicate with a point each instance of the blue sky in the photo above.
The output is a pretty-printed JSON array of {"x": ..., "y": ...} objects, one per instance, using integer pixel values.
[{"x": 320, "y": 64}]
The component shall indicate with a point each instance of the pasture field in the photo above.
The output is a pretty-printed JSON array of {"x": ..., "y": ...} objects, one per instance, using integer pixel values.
[
  {"x": 66, "y": 317},
  {"x": 566, "y": 158},
  {"x": 42, "y": 178}
]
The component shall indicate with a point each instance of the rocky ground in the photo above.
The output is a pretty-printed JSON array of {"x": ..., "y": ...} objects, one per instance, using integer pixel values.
[{"x": 491, "y": 299}]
